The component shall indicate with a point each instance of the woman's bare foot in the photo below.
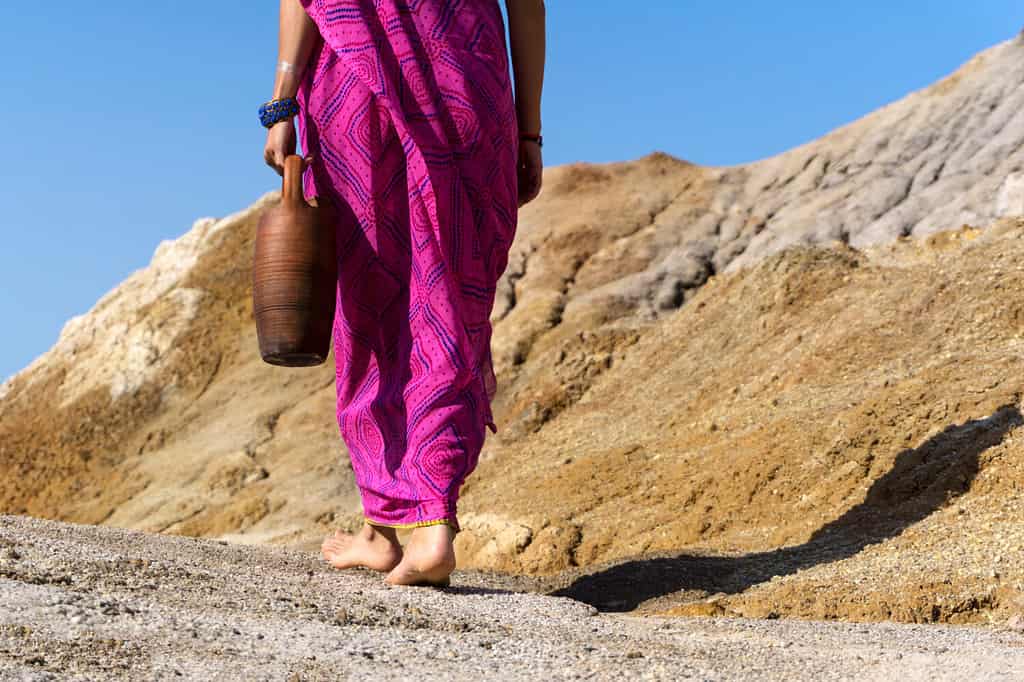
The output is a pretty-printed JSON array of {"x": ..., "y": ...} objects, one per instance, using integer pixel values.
[
  {"x": 429, "y": 558},
  {"x": 374, "y": 547}
]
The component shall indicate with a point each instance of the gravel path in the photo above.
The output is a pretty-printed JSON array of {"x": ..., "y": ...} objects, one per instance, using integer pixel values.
[{"x": 85, "y": 602}]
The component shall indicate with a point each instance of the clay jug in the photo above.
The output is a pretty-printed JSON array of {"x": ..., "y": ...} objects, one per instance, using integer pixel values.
[{"x": 294, "y": 277}]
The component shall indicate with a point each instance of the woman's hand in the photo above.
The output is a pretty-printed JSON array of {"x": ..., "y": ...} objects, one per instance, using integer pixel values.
[
  {"x": 530, "y": 171},
  {"x": 280, "y": 144}
]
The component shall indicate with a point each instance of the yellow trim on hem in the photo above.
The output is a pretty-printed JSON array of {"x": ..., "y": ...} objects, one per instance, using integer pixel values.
[{"x": 418, "y": 524}]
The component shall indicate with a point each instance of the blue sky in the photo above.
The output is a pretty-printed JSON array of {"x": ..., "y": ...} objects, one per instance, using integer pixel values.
[{"x": 127, "y": 121}]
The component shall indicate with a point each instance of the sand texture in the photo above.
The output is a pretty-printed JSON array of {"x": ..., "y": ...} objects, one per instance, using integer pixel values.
[{"x": 89, "y": 603}]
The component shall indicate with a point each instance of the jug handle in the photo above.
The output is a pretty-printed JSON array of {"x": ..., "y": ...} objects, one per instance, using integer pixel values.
[{"x": 291, "y": 184}]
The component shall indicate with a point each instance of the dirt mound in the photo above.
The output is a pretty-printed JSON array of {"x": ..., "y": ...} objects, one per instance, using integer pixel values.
[
  {"x": 830, "y": 434},
  {"x": 722, "y": 390}
]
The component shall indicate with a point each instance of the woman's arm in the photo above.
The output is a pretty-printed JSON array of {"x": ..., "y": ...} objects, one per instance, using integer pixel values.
[
  {"x": 526, "y": 27},
  {"x": 296, "y": 39},
  {"x": 526, "y": 19}
]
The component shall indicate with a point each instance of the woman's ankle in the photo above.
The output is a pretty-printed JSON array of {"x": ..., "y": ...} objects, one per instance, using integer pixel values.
[
  {"x": 371, "y": 533},
  {"x": 437, "y": 541}
]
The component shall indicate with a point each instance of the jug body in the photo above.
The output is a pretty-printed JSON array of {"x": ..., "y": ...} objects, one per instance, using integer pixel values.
[{"x": 294, "y": 278}]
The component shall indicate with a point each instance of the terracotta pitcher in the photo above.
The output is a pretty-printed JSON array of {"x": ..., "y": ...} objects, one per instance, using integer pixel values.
[{"x": 294, "y": 277}]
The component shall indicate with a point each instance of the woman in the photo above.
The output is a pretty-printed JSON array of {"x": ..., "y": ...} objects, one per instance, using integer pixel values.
[{"x": 406, "y": 115}]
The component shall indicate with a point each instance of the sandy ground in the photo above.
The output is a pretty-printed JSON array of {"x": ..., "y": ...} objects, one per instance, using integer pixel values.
[{"x": 84, "y": 602}]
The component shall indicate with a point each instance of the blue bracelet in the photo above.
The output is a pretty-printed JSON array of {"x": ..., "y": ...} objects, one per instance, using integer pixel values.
[{"x": 277, "y": 110}]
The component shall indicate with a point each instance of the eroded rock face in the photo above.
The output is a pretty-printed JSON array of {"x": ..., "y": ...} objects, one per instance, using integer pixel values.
[
  {"x": 678, "y": 371},
  {"x": 935, "y": 160}
]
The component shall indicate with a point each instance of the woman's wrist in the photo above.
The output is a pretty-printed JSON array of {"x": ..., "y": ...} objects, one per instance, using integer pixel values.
[
  {"x": 286, "y": 80},
  {"x": 282, "y": 106},
  {"x": 536, "y": 138},
  {"x": 277, "y": 110},
  {"x": 529, "y": 123},
  {"x": 286, "y": 87}
]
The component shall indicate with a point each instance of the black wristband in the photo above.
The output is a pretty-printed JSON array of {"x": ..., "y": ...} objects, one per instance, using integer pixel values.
[{"x": 538, "y": 138}]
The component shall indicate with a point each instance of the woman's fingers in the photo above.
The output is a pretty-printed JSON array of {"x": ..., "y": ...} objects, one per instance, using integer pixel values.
[
  {"x": 272, "y": 162},
  {"x": 536, "y": 176},
  {"x": 280, "y": 144},
  {"x": 273, "y": 158}
]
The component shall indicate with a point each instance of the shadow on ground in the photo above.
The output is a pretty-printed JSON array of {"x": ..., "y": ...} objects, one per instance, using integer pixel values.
[{"x": 921, "y": 481}]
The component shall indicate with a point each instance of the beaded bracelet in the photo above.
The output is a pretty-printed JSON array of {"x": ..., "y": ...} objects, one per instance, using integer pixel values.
[
  {"x": 538, "y": 138},
  {"x": 277, "y": 110}
]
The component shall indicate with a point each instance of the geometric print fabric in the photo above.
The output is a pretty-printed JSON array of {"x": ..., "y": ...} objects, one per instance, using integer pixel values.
[{"x": 408, "y": 112}]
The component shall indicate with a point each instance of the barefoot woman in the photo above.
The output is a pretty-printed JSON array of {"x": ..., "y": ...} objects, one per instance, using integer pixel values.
[{"x": 406, "y": 113}]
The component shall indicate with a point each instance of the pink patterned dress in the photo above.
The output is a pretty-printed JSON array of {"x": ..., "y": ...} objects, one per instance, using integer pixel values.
[{"x": 407, "y": 109}]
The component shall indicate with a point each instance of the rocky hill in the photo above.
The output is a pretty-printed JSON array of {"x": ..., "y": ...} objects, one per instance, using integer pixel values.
[{"x": 786, "y": 388}]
